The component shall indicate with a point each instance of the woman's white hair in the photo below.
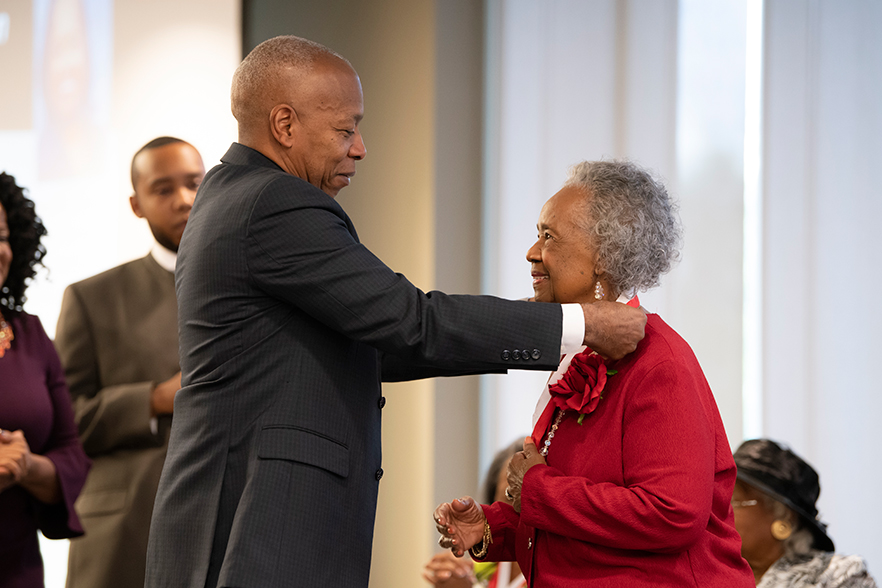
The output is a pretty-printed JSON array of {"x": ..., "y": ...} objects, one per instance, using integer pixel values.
[{"x": 630, "y": 219}]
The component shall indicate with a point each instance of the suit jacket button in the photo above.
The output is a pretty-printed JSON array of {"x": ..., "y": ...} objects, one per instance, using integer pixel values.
[
  {"x": 516, "y": 354},
  {"x": 525, "y": 355},
  {"x": 529, "y": 543},
  {"x": 506, "y": 355},
  {"x": 379, "y": 474},
  {"x": 381, "y": 402},
  {"x": 536, "y": 354}
]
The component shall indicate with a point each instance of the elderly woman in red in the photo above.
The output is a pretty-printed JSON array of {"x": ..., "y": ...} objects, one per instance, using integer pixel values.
[{"x": 633, "y": 483}]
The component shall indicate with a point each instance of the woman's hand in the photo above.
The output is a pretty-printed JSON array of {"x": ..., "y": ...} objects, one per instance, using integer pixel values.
[
  {"x": 15, "y": 458},
  {"x": 7, "y": 471},
  {"x": 520, "y": 464},
  {"x": 461, "y": 524},
  {"x": 444, "y": 569},
  {"x": 35, "y": 473}
]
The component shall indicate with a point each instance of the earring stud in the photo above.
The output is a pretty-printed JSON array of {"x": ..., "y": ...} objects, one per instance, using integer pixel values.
[{"x": 781, "y": 530}]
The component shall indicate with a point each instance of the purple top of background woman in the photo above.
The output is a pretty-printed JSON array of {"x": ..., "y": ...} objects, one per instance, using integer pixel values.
[{"x": 34, "y": 398}]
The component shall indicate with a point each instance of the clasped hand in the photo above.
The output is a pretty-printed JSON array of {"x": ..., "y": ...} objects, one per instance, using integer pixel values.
[
  {"x": 446, "y": 570},
  {"x": 520, "y": 464},
  {"x": 15, "y": 458}
]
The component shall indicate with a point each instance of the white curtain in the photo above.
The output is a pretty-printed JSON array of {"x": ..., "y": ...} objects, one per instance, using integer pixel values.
[{"x": 822, "y": 150}]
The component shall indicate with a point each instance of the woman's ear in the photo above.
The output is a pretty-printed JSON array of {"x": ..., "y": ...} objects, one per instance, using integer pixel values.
[
  {"x": 599, "y": 267},
  {"x": 599, "y": 273}
]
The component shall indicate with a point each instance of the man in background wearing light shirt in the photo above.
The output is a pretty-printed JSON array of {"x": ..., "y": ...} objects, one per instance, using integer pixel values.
[{"x": 117, "y": 338}]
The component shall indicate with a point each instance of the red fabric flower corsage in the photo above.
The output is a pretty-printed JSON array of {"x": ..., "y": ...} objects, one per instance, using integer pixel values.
[{"x": 581, "y": 387}]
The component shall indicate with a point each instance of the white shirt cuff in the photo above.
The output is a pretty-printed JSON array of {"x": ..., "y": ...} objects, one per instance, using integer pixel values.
[
  {"x": 573, "y": 332},
  {"x": 154, "y": 425}
]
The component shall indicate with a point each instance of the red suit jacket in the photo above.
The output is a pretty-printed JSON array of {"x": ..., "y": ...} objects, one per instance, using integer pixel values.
[{"x": 639, "y": 493}]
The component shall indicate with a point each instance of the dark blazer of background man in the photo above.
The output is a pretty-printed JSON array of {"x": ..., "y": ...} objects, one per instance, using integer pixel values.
[
  {"x": 287, "y": 325},
  {"x": 117, "y": 338}
]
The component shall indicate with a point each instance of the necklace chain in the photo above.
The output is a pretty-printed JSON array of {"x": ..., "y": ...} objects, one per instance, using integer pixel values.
[
  {"x": 6, "y": 336},
  {"x": 544, "y": 451}
]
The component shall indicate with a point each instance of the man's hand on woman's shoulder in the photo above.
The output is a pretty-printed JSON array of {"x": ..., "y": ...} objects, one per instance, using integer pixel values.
[{"x": 612, "y": 329}]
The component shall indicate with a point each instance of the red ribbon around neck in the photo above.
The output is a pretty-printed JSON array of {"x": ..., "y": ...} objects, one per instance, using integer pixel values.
[{"x": 578, "y": 389}]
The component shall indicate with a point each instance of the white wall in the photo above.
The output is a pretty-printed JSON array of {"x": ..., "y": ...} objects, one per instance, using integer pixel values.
[{"x": 822, "y": 151}]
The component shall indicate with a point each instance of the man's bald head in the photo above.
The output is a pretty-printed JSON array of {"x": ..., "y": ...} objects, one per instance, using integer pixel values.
[
  {"x": 299, "y": 104},
  {"x": 270, "y": 73}
]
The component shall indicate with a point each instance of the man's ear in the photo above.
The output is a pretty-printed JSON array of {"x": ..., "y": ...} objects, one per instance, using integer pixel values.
[
  {"x": 283, "y": 118},
  {"x": 136, "y": 206}
]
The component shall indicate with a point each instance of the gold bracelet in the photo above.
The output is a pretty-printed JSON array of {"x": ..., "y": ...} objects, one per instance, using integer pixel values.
[{"x": 485, "y": 543}]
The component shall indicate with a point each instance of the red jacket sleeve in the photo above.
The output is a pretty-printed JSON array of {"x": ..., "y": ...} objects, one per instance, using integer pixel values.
[{"x": 503, "y": 522}]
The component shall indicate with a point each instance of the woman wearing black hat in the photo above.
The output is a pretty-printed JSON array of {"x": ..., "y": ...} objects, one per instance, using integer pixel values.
[{"x": 782, "y": 537}]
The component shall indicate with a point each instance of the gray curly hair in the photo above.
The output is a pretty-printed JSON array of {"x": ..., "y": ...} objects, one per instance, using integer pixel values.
[{"x": 631, "y": 221}]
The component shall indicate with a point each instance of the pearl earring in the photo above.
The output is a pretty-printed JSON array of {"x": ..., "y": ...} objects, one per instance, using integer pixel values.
[{"x": 598, "y": 291}]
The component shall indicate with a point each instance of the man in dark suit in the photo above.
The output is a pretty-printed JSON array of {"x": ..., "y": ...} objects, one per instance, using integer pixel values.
[
  {"x": 287, "y": 325},
  {"x": 117, "y": 338}
]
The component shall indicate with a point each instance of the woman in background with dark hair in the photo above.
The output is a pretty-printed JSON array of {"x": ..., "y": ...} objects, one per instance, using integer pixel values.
[{"x": 42, "y": 465}]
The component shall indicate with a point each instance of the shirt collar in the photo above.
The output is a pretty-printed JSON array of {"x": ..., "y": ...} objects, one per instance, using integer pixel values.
[{"x": 164, "y": 257}]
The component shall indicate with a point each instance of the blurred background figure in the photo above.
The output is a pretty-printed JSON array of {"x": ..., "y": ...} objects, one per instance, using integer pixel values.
[
  {"x": 117, "y": 337},
  {"x": 447, "y": 571},
  {"x": 69, "y": 136},
  {"x": 782, "y": 536},
  {"x": 42, "y": 465}
]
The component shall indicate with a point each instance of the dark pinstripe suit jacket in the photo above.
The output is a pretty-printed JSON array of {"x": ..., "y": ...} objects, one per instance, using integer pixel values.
[{"x": 274, "y": 459}]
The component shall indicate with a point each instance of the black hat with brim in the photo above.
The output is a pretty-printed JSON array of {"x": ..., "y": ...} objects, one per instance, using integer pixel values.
[{"x": 784, "y": 476}]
